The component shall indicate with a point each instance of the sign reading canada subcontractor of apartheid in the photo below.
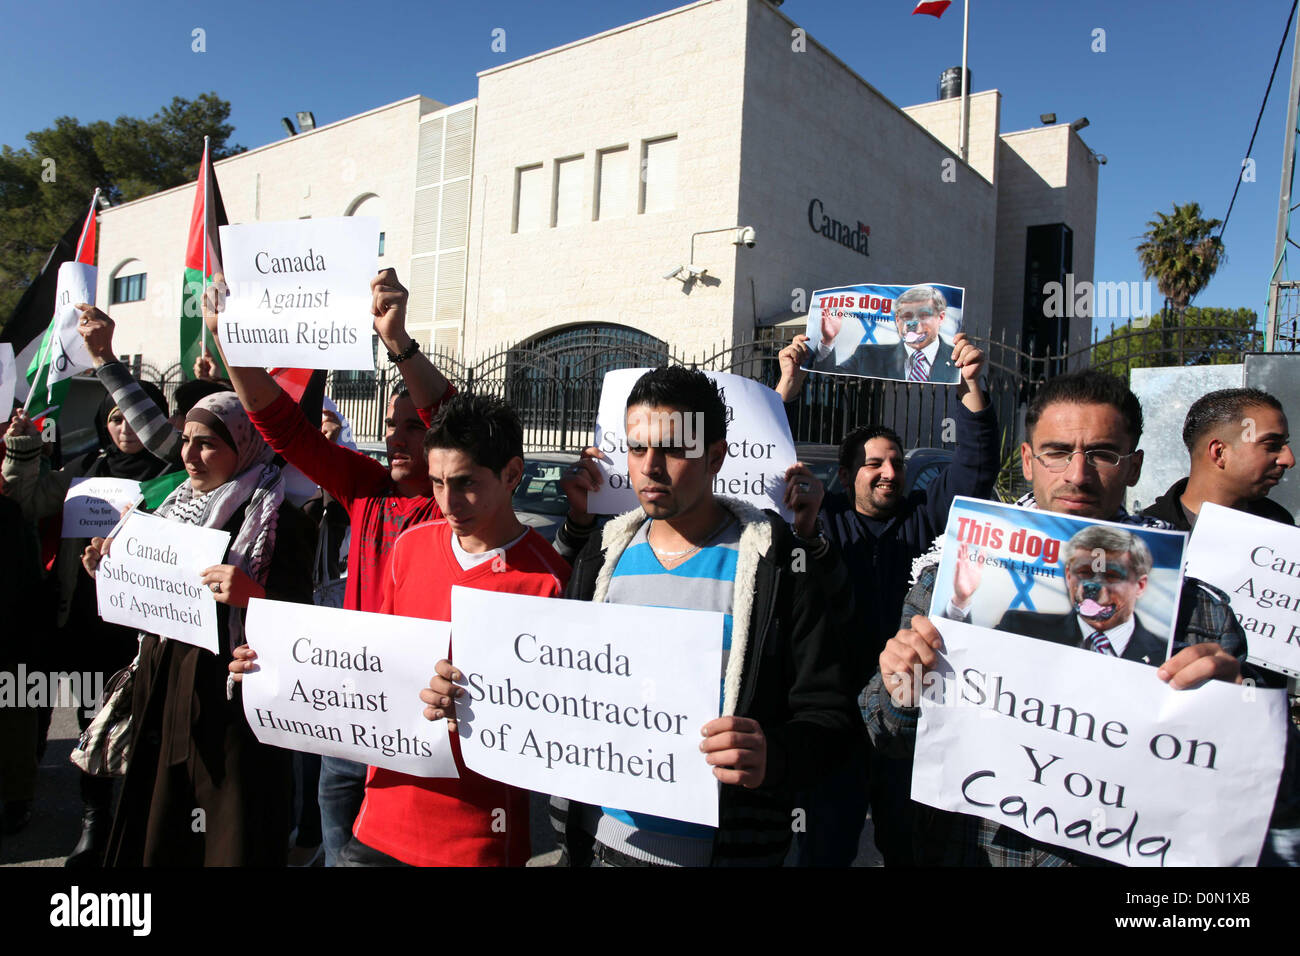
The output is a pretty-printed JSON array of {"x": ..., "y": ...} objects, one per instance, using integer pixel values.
[
  {"x": 299, "y": 293},
  {"x": 152, "y": 579},
  {"x": 93, "y": 506},
  {"x": 1257, "y": 562},
  {"x": 1096, "y": 754},
  {"x": 600, "y": 703},
  {"x": 346, "y": 684},
  {"x": 759, "y": 445}
]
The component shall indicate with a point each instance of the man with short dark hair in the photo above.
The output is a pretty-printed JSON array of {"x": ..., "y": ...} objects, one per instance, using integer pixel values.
[
  {"x": 784, "y": 696},
  {"x": 475, "y": 459},
  {"x": 1240, "y": 449},
  {"x": 381, "y": 502},
  {"x": 1082, "y": 431}
]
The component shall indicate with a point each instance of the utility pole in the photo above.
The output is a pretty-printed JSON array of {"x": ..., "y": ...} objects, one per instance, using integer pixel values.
[{"x": 1284, "y": 207}]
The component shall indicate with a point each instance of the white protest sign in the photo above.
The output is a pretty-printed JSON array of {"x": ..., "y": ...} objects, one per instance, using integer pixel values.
[
  {"x": 600, "y": 703},
  {"x": 759, "y": 445},
  {"x": 1257, "y": 562},
  {"x": 8, "y": 379},
  {"x": 152, "y": 579},
  {"x": 1096, "y": 754},
  {"x": 346, "y": 684},
  {"x": 93, "y": 506},
  {"x": 68, "y": 352},
  {"x": 299, "y": 293}
]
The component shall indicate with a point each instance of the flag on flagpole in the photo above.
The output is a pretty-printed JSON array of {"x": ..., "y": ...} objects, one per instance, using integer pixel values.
[
  {"x": 61, "y": 353},
  {"x": 202, "y": 261},
  {"x": 934, "y": 8}
]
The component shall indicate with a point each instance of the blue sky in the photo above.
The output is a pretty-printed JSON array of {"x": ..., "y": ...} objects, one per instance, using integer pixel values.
[{"x": 1171, "y": 100}]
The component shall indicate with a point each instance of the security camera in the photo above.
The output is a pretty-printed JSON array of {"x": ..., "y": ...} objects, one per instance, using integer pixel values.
[
  {"x": 745, "y": 236},
  {"x": 673, "y": 274}
]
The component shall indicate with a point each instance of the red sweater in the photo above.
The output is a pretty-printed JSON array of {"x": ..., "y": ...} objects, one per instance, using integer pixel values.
[
  {"x": 362, "y": 485},
  {"x": 441, "y": 821}
]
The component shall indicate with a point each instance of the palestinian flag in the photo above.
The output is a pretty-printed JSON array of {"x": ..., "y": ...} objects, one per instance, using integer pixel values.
[
  {"x": 202, "y": 261},
  {"x": 45, "y": 399},
  {"x": 306, "y": 386}
]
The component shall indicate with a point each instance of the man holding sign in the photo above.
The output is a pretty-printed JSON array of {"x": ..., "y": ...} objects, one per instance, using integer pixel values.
[
  {"x": 1083, "y": 430},
  {"x": 785, "y": 703}
]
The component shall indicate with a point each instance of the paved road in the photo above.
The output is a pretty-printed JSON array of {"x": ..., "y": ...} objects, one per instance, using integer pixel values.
[{"x": 56, "y": 824}]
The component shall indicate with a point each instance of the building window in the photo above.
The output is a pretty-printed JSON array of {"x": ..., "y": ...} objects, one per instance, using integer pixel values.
[
  {"x": 658, "y": 174},
  {"x": 530, "y": 199},
  {"x": 566, "y": 207},
  {"x": 381, "y": 243},
  {"x": 612, "y": 181},
  {"x": 128, "y": 289}
]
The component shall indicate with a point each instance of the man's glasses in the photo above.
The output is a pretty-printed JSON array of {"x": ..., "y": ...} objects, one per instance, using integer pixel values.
[
  {"x": 1098, "y": 458},
  {"x": 920, "y": 316}
]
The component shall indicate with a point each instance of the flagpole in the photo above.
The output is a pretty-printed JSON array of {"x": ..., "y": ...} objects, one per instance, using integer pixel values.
[
  {"x": 965, "y": 93},
  {"x": 203, "y": 279}
]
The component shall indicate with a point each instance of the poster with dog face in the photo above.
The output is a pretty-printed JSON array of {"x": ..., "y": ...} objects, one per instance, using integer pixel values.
[
  {"x": 1096, "y": 585},
  {"x": 899, "y": 332}
]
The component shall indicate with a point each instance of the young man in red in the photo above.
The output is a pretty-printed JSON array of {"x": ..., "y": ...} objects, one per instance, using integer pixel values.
[
  {"x": 381, "y": 502},
  {"x": 475, "y": 460}
]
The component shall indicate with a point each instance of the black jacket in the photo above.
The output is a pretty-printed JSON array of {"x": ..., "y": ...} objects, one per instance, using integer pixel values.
[
  {"x": 1143, "y": 647},
  {"x": 890, "y": 361},
  {"x": 1169, "y": 508},
  {"x": 792, "y": 680}
]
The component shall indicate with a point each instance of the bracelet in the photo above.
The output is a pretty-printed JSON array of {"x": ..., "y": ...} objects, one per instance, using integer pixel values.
[{"x": 406, "y": 353}]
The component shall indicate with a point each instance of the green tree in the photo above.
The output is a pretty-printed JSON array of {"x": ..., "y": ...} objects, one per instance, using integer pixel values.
[
  {"x": 47, "y": 184},
  {"x": 1204, "y": 337},
  {"x": 1180, "y": 253}
]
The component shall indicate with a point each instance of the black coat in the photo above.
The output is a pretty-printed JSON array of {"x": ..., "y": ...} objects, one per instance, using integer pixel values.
[
  {"x": 890, "y": 361},
  {"x": 1169, "y": 508},
  {"x": 1143, "y": 647}
]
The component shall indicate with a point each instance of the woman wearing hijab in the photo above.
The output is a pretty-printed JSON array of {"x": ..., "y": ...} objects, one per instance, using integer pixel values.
[
  {"x": 199, "y": 788},
  {"x": 83, "y": 643}
]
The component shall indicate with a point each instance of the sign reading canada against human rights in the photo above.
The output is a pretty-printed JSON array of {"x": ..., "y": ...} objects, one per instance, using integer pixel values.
[
  {"x": 600, "y": 703},
  {"x": 346, "y": 684},
  {"x": 299, "y": 293},
  {"x": 759, "y": 445},
  {"x": 93, "y": 506},
  {"x": 1257, "y": 562},
  {"x": 152, "y": 579},
  {"x": 1097, "y": 754}
]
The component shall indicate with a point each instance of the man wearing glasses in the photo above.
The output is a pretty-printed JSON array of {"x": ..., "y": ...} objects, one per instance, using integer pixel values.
[
  {"x": 919, "y": 356},
  {"x": 1082, "y": 433}
]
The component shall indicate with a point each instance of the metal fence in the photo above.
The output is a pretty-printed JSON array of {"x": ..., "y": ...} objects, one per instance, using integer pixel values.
[{"x": 557, "y": 390}]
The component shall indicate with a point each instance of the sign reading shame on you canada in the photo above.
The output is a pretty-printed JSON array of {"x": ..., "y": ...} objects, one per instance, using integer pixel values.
[
  {"x": 600, "y": 703},
  {"x": 1096, "y": 754},
  {"x": 152, "y": 579},
  {"x": 299, "y": 293},
  {"x": 346, "y": 684},
  {"x": 1257, "y": 562}
]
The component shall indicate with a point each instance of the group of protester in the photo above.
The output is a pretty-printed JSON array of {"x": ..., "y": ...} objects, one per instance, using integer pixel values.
[{"x": 826, "y": 638}]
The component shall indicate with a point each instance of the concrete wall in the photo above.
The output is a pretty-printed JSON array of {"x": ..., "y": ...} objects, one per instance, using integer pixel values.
[
  {"x": 323, "y": 173},
  {"x": 814, "y": 129},
  {"x": 943, "y": 119},
  {"x": 679, "y": 73}
]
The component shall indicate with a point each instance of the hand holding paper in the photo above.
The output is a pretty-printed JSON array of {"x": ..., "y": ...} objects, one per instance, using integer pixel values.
[
  {"x": 907, "y": 656},
  {"x": 441, "y": 694},
  {"x": 1193, "y": 666}
]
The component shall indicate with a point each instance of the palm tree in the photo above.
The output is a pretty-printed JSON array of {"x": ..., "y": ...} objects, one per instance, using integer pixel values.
[{"x": 1179, "y": 252}]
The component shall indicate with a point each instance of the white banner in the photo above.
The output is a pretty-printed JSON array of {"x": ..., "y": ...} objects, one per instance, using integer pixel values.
[
  {"x": 8, "y": 379},
  {"x": 1096, "y": 754},
  {"x": 152, "y": 579},
  {"x": 93, "y": 506},
  {"x": 600, "y": 703},
  {"x": 346, "y": 684},
  {"x": 759, "y": 445},
  {"x": 1256, "y": 561},
  {"x": 68, "y": 352},
  {"x": 300, "y": 293}
]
